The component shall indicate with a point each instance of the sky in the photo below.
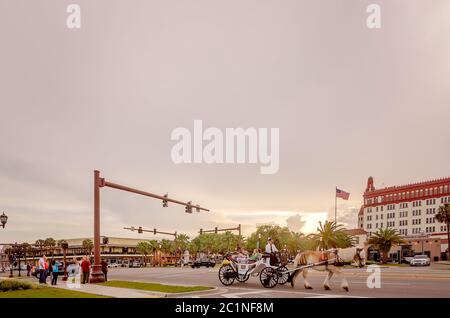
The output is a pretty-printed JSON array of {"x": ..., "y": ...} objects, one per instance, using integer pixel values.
[{"x": 350, "y": 102}]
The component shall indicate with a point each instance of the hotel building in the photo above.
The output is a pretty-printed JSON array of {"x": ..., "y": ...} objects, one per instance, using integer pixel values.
[{"x": 411, "y": 210}]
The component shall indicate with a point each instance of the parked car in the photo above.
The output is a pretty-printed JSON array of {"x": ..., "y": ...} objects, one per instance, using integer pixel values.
[
  {"x": 420, "y": 260},
  {"x": 113, "y": 265},
  {"x": 134, "y": 264},
  {"x": 203, "y": 262}
]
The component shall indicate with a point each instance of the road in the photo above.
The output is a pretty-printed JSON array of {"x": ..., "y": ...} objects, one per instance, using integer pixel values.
[{"x": 396, "y": 282}]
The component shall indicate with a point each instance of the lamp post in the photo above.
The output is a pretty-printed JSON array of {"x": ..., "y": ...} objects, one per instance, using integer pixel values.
[
  {"x": 65, "y": 246},
  {"x": 3, "y": 219}
]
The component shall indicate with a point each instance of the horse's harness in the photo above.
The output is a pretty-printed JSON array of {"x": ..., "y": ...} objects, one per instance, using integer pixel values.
[
  {"x": 337, "y": 260},
  {"x": 331, "y": 257}
]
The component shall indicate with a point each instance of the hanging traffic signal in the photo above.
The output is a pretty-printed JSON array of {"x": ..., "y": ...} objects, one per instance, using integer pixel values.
[
  {"x": 188, "y": 208},
  {"x": 165, "y": 202},
  {"x": 201, "y": 231},
  {"x": 140, "y": 230},
  {"x": 154, "y": 231},
  {"x": 215, "y": 230}
]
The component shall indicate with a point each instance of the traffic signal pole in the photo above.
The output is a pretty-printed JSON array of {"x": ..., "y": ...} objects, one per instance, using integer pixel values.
[
  {"x": 221, "y": 230},
  {"x": 140, "y": 230},
  {"x": 99, "y": 182}
]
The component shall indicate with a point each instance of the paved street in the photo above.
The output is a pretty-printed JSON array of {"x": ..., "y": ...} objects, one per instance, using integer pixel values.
[{"x": 395, "y": 282}]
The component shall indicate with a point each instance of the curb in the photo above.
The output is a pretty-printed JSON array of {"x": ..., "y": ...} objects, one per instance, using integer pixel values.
[{"x": 198, "y": 292}]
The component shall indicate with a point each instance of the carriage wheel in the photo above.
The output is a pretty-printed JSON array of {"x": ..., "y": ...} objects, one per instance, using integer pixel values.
[
  {"x": 227, "y": 275},
  {"x": 283, "y": 275},
  {"x": 242, "y": 278},
  {"x": 268, "y": 277}
]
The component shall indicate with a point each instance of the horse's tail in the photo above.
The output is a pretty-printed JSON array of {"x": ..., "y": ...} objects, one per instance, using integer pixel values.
[{"x": 300, "y": 259}]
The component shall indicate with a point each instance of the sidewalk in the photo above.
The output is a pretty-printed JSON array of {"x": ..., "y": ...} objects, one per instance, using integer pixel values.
[
  {"x": 114, "y": 292},
  {"x": 111, "y": 291}
]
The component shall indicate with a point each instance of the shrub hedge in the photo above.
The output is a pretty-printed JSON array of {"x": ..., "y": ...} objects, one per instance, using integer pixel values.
[{"x": 8, "y": 285}]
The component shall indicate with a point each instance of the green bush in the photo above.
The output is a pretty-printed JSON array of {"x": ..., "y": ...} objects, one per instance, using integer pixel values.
[{"x": 8, "y": 285}]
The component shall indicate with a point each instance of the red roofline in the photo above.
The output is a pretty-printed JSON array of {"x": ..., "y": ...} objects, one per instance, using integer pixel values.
[{"x": 409, "y": 187}]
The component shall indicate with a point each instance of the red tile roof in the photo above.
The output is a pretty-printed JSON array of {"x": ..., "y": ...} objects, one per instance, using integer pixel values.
[{"x": 355, "y": 232}]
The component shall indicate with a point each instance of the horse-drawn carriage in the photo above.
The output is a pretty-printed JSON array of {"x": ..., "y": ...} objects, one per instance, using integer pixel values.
[
  {"x": 272, "y": 274},
  {"x": 269, "y": 275}
]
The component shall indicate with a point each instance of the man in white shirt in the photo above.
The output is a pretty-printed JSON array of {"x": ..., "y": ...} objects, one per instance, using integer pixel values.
[
  {"x": 43, "y": 270},
  {"x": 270, "y": 247}
]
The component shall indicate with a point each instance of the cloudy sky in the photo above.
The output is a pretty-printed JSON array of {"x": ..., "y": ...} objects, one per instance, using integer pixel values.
[{"x": 349, "y": 101}]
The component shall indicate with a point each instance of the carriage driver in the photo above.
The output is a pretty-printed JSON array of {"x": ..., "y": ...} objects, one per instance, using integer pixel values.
[{"x": 270, "y": 247}]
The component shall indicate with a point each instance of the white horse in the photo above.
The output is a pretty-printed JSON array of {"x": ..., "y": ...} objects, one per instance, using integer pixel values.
[{"x": 355, "y": 255}]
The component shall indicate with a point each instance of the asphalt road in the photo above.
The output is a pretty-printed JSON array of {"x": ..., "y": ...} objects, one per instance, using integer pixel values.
[{"x": 396, "y": 282}]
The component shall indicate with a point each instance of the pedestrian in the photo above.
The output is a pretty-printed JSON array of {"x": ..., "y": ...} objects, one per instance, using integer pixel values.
[
  {"x": 55, "y": 271},
  {"x": 105, "y": 269},
  {"x": 28, "y": 269},
  {"x": 85, "y": 267},
  {"x": 43, "y": 267},
  {"x": 50, "y": 268}
]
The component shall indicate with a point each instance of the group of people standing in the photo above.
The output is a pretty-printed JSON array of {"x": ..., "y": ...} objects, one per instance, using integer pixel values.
[{"x": 51, "y": 268}]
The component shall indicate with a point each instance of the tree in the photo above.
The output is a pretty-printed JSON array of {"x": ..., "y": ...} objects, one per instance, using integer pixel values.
[
  {"x": 181, "y": 242},
  {"x": 40, "y": 244},
  {"x": 144, "y": 248},
  {"x": 331, "y": 235},
  {"x": 166, "y": 246},
  {"x": 443, "y": 216},
  {"x": 87, "y": 246},
  {"x": 50, "y": 242},
  {"x": 384, "y": 239},
  {"x": 300, "y": 242},
  {"x": 280, "y": 235}
]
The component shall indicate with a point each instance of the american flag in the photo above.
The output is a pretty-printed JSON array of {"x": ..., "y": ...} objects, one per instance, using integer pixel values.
[{"x": 342, "y": 194}]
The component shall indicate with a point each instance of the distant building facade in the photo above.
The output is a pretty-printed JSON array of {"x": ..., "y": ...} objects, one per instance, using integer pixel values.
[
  {"x": 114, "y": 250},
  {"x": 411, "y": 210}
]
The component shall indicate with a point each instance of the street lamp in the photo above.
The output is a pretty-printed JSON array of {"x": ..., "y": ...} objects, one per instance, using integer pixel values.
[
  {"x": 65, "y": 246},
  {"x": 3, "y": 219}
]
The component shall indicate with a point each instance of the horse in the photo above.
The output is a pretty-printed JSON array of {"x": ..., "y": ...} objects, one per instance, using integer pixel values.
[{"x": 328, "y": 261}]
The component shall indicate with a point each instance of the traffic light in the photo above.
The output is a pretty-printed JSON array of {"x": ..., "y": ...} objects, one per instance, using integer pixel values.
[
  {"x": 154, "y": 231},
  {"x": 215, "y": 230},
  {"x": 201, "y": 231},
  {"x": 165, "y": 202},
  {"x": 188, "y": 208},
  {"x": 140, "y": 230}
]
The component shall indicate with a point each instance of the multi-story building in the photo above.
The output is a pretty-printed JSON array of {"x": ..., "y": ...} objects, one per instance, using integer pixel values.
[{"x": 408, "y": 208}]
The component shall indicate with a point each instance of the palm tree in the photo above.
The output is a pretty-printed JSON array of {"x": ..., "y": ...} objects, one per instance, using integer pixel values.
[
  {"x": 50, "y": 242},
  {"x": 443, "y": 216},
  {"x": 331, "y": 235},
  {"x": 384, "y": 239},
  {"x": 181, "y": 241},
  {"x": 87, "y": 246},
  {"x": 144, "y": 248},
  {"x": 166, "y": 246},
  {"x": 40, "y": 244}
]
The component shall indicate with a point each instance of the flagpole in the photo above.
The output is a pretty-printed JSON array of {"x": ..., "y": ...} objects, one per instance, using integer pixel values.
[{"x": 335, "y": 205}]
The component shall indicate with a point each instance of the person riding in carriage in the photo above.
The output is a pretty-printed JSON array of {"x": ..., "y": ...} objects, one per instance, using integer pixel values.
[{"x": 272, "y": 250}]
